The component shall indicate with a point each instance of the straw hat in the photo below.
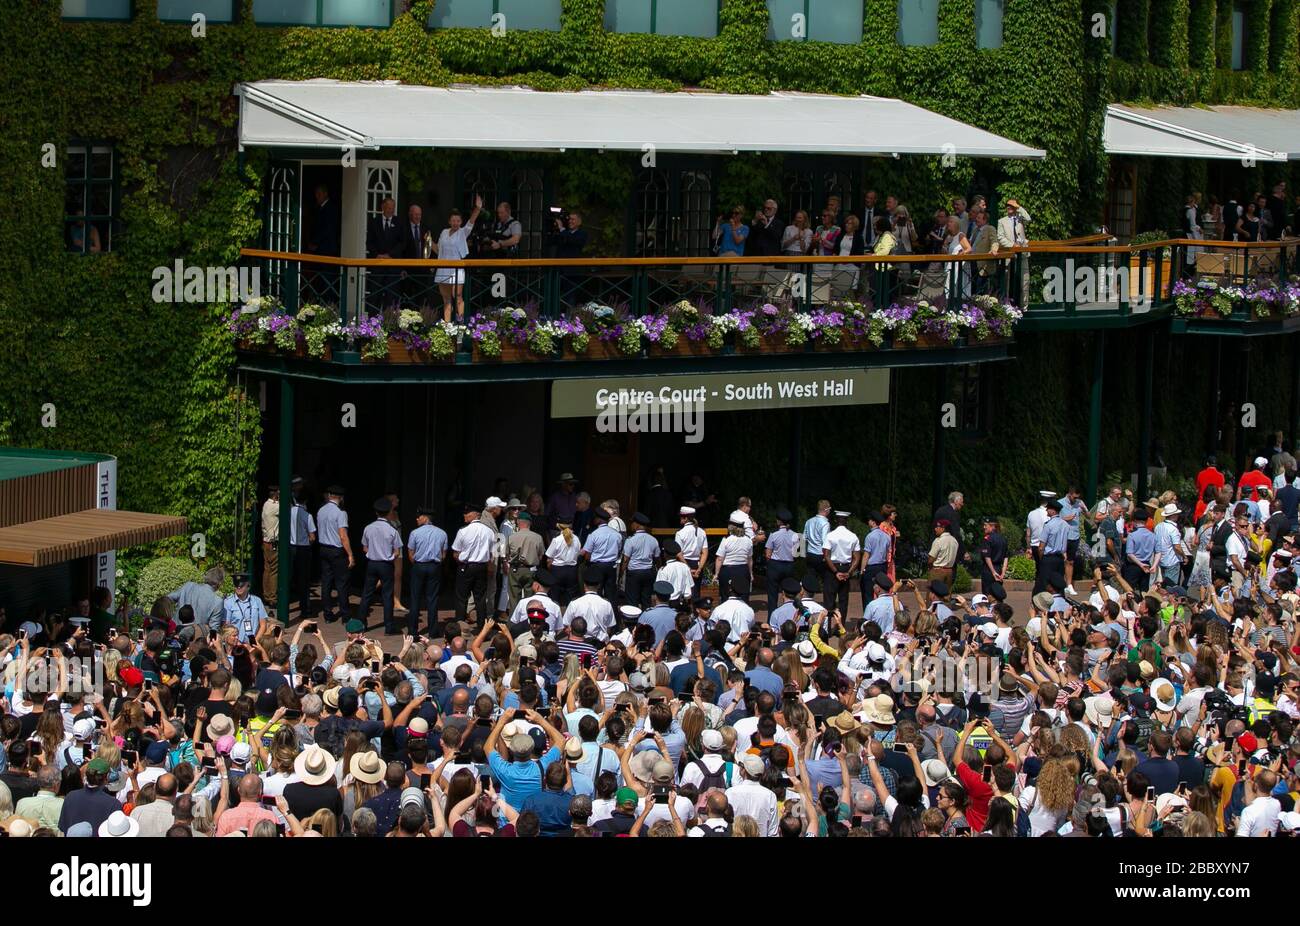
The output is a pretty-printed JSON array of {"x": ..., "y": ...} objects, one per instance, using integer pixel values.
[
  {"x": 367, "y": 767},
  {"x": 314, "y": 766}
]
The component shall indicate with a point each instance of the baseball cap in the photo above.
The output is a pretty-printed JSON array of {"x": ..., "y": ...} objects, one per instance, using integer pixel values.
[
  {"x": 412, "y": 796},
  {"x": 711, "y": 740},
  {"x": 625, "y": 796},
  {"x": 752, "y": 765},
  {"x": 241, "y": 753},
  {"x": 1248, "y": 742},
  {"x": 980, "y": 599}
]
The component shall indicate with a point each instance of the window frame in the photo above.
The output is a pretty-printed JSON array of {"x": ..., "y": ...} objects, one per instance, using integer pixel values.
[
  {"x": 1238, "y": 38},
  {"x": 235, "y": 6},
  {"x": 496, "y": 8},
  {"x": 130, "y": 15},
  {"x": 898, "y": 35},
  {"x": 320, "y": 13},
  {"x": 86, "y": 181},
  {"x": 808, "y": 19},
  {"x": 654, "y": 23}
]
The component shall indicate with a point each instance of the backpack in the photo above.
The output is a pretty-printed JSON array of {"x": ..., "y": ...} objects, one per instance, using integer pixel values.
[
  {"x": 711, "y": 832},
  {"x": 1145, "y": 725},
  {"x": 721, "y": 779}
]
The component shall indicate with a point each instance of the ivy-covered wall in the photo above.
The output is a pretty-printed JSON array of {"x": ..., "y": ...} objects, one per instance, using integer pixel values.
[{"x": 152, "y": 382}]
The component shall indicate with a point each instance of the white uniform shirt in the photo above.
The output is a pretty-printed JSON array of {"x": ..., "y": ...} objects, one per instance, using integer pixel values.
[
  {"x": 736, "y": 613},
  {"x": 678, "y": 575},
  {"x": 475, "y": 543},
  {"x": 735, "y": 551},
  {"x": 562, "y": 554},
  {"x": 553, "y": 613},
  {"x": 692, "y": 540},
  {"x": 1037, "y": 518},
  {"x": 842, "y": 544},
  {"x": 595, "y": 610}
]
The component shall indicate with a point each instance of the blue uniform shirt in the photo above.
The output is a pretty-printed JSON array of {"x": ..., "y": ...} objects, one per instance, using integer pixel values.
[
  {"x": 782, "y": 542},
  {"x": 1141, "y": 544},
  {"x": 428, "y": 543},
  {"x": 1055, "y": 534},
  {"x": 603, "y": 545},
  {"x": 641, "y": 549},
  {"x": 328, "y": 521},
  {"x": 381, "y": 540},
  {"x": 662, "y": 618},
  {"x": 876, "y": 546},
  {"x": 814, "y": 532},
  {"x": 245, "y": 616}
]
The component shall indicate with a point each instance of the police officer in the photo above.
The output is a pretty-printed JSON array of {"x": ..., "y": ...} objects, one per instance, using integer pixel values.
[
  {"x": 601, "y": 551},
  {"x": 426, "y": 548},
  {"x": 694, "y": 543},
  {"x": 302, "y": 534},
  {"x": 473, "y": 550},
  {"x": 382, "y": 545},
  {"x": 993, "y": 560},
  {"x": 841, "y": 551},
  {"x": 243, "y": 610},
  {"x": 502, "y": 239},
  {"x": 1055, "y": 537},
  {"x": 1034, "y": 525},
  {"x": 779, "y": 550},
  {"x": 875, "y": 557},
  {"x": 524, "y": 549},
  {"x": 639, "y": 554},
  {"x": 336, "y": 559},
  {"x": 562, "y": 559}
]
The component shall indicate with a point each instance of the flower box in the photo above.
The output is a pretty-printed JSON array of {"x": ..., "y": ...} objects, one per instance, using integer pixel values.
[
  {"x": 512, "y": 353},
  {"x": 769, "y": 344},
  {"x": 924, "y": 341},
  {"x": 400, "y": 352},
  {"x": 684, "y": 347},
  {"x": 846, "y": 344},
  {"x": 597, "y": 350}
]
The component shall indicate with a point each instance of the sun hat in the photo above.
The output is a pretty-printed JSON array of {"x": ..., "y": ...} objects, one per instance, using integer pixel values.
[
  {"x": 936, "y": 773},
  {"x": 1165, "y": 695},
  {"x": 662, "y": 772},
  {"x": 366, "y": 767},
  {"x": 752, "y": 765},
  {"x": 573, "y": 749},
  {"x": 1043, "y": 601},
  {"x": 220, "y": 725},
  {"x": 844, "y": 722},
  {"x": 807, "y": 652},
  {"x": 1215, "y": 754},
  {"x": 711, "y": 740},
  {"x": 1099, "y": 708},
  {"x": 1034, "y": 628},
  {"x": 1170, "y": 510},
  {"x": 119, "y": 825},
  {"x": 331, "y": 698},
  {"x": 314, "y": 765},
  {"x": 1168, "y": 800},
  {"x": 1008, "y": 683},
  {"x": 880, "y": 710},
  {"x": 1146, "y": 670},
  {"x": 642, "y": 765}
]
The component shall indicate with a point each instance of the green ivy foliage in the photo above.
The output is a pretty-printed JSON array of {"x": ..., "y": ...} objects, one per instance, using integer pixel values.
[{"x": 152, "y": 383}]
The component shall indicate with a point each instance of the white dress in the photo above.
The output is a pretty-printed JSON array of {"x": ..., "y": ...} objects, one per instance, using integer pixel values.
[
  {"x": 955, "y": 271},
  {"x": 453, "y": 245},
  {"x": 1193, "y": 223}
]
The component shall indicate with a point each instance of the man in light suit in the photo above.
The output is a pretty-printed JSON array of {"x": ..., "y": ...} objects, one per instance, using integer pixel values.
[
  {"x": 983, "y": 240},
  {"x": 1011, "y": 233}
]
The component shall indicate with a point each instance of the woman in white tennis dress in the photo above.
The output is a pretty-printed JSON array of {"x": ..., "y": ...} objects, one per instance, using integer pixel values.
[{"x": 453, "y": 244}]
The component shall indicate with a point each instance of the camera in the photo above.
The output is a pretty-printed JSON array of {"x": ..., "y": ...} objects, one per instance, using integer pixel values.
[{"x": 661, "y": 794}]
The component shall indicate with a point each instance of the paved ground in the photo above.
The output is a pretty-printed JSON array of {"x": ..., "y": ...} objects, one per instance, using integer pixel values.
[{"x": 1017, "y": 598}]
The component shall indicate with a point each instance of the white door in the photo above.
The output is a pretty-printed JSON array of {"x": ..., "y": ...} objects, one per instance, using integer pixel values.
[{"x": 375, "y": 181}]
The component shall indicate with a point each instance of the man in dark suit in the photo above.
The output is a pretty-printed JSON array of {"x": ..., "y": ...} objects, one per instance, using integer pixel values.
[
  {"x": 765, "y": 232},
  {"x": 416, "y": 283},
  {"x": 326, "y": 231},
  {"x": 869, "y": 213},
  {"x": 384, "y": 242}
]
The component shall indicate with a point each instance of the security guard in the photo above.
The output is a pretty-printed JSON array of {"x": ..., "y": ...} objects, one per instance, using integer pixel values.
[
  {"x": 736, "y": 562},
  {"x": 302, "y": 534},
  {"x": 473, "y": 549},
  {"x": 1034, "y": 524},
  {"x": 993, "y": 560},
  {"x": 1055, "y": 536},
  {"x": 639, "y": 554},
  {"x": 601, "y": 551},
  {"x": 694, "y": 543},
  {"x": 524, "y": 549},
  {"x": 779, "y": 550},
  {"x": 382, "y": 545},
  {"x": 875, "y": 557},
  {"x": 593, "y": 608},
  {"x": 336, "y": 561},
  {"x": 814, "y": 532},
  {"x": 841, "y": 551},
  {"x": 562, "y": 559},
  {"x": 243, "y": 610},
  {"x": 270, "y": 544},
  {"x": 426, "y": 548}
]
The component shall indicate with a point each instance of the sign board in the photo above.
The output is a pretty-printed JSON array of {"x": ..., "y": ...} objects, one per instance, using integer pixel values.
[
  {"x": 720, "y": 392},
  {"x": 106, "y": 497}
]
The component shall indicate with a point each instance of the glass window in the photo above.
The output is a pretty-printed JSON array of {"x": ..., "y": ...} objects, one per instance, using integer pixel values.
[
  {"x": 216, "y": 11},
  {"x": 88, "y": 199},
  {"x": 823, "y": 20},
  {"x": 918, "y": 22},
  {"x": 988, "y": 23},
  {"x": 378, "y": 13},
  {"x": 663, "y": 17},
  {"x": 1238, "y": 38},
  {"x": 1112, "y": 26},
  {"x": 466, "y": 14},
  {"x": 531, "y": 14},
  {"x": 96, "y": 9}
]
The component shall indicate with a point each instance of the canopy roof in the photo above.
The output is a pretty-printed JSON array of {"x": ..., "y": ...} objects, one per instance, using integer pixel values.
[
  {"x": 82, "y": 533},
  {"x": 1223, "y": 132},
  {"x": 369, "y": 115}
]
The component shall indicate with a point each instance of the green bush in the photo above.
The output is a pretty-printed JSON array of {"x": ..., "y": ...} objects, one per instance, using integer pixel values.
[
  {"x": 163, "y": 576},
  {"x": 1021, "y": 568},
  {"x": 961, "y": 582}
]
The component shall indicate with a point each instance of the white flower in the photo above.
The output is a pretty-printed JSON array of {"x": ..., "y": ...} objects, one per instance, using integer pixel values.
[
  {"x": 409, "y": 318},
  {"x": 120, "y": 573}
]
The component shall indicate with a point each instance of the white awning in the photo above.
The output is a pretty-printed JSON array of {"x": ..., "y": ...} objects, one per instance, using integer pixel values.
[
  {"x": 369, "y": 115},
  {"x": 1234, "y": 133}
]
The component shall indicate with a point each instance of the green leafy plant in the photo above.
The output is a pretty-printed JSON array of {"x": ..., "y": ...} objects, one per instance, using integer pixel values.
[{"x": 163, "y": 576}]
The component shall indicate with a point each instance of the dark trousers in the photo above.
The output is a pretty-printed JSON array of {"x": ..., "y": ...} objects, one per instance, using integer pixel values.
[
  {"x": 637, "y": 587},
  {"x": 817, "y": 566},
  {"x": 836, "y": 593},
  {"x": 383, "y": 574},
  {"x": 733, "y": 580},
  {"x": 566, "y": 584},
  {"x": 867, "y": 581},
  {"x": 333, "y": 580},
  {"x": 607, "y": 576},
  {"x": 777, "y": 572},
  {"x": 1135, "y": 575},
  {"x": 472, "y": 579},
  {"x": 1050, "y": 566},
  {"x": 426, "y": 582},
  {"x": 302, "y": 581},
  {"x": 991, "y": 587},
  {"x": 694, "y": 564}
]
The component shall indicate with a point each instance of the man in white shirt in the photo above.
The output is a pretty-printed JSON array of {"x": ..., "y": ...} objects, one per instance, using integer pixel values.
[
  {"x": 676, "y": 573},
  {"x": 1260, "y": 818},
  {"x": 738, "y": 614},
  {"x": 1034, "y": 524},
  {"x": 841, "y": 552},
  {"x": 593, "y": 608},
  {"x": 751, "y": 799},
  {"x": 542, "y": 581}
]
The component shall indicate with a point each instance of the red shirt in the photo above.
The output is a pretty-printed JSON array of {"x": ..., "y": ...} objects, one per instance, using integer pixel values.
[
  {"x": 1207, "y": 477},
  {"x": 980, "y": 792},
  {"x": 1254, "y": 480}
]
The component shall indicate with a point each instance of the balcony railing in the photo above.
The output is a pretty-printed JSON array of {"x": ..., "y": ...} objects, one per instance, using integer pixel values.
[{"x": 1076, "y": 283}]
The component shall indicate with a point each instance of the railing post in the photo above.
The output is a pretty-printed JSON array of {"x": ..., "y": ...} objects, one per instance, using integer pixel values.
[
  {"x": 808, "y": 284},
  {"x": 343, "y": 294}
]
